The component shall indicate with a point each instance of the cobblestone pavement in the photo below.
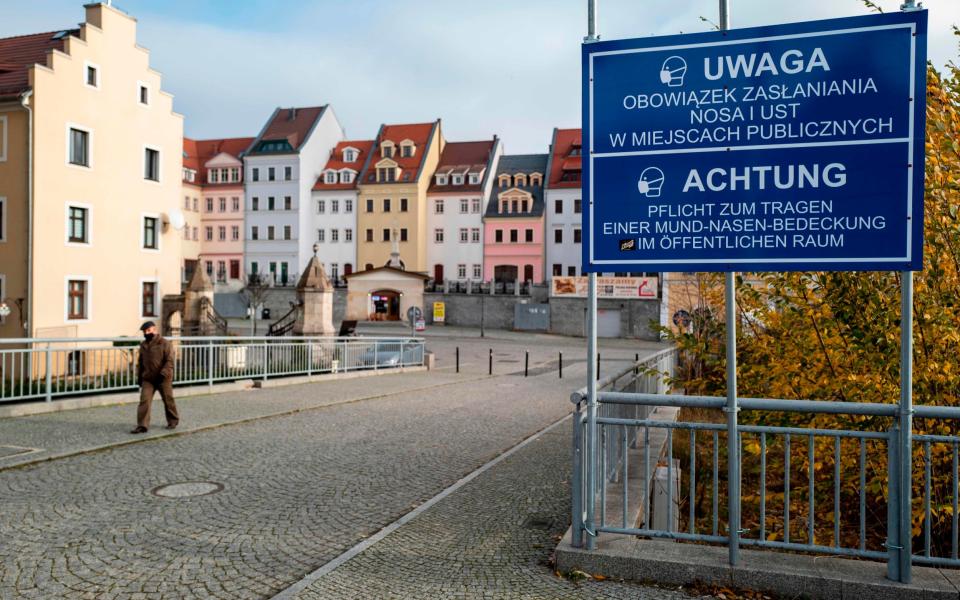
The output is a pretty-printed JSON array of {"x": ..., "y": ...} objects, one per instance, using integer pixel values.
[
  {"x": 490, "y": 539},
  {"x": 298, "y": 490}
]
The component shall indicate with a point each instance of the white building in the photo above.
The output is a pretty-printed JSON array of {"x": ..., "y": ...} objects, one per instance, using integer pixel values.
[
  {"x": 455, "y": 206},
  {"x": 282, "y": 164},
  {"x": 333, "y": 214},
  {"x": 564, "y": 206}
]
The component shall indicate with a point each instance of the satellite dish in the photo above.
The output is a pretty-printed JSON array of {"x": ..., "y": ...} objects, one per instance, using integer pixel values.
[{"x": 176, "y": 219}]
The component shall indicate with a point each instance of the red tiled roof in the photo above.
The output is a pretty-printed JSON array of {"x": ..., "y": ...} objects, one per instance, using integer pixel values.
[
  {"x": 291, "y": 124},
  {"x": 198, "y": 152},
  {"x": 18, "y": 54},
  {"x": 418, "y": 133},
  {"x": 564, "y": 141},
  {"x": 463, "y": 158},
  {"x": 336, "y": 162}
]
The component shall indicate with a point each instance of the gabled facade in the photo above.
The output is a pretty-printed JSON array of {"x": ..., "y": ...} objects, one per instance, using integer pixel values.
[
  {"x": 281, "y": 165},
  {"x": 218, "y": 217},
  {"x": 393, "y": 194},
  {"x": 455, "y": 205},
  {"x": 564, "y": 204},
  {"x": 514, "y": 220},
  {"x": 334, "y": 208},
  {"x": 90, "y": 248}
]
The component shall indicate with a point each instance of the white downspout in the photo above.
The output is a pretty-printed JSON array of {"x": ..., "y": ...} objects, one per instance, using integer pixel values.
[{"x": 28, "y": 322}]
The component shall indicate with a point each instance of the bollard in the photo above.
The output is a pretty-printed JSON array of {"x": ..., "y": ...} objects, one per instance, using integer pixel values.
[
  {"x": 490, "y": 363},
  {"x": 526, "y": 363},
  {"x": 636, "y": 359},
  {"x": 560, "y": 366},
  {"x": 458, "y": 359}
]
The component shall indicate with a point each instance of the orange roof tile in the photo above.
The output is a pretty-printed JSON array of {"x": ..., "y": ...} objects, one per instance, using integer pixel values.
[
  {"x": 418, "y": 133},
  {"x": 463, "y": 158},
  {"x": 566, "y": 159},
  {"x": 18, "y": 54},
  {"x": 198, "y": 152},
  {"x": 336, "y": 162},
  {"x": 291, "y": 125}
]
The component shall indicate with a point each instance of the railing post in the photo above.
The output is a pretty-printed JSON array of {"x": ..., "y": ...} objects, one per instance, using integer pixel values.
[
  {"x": 576, "y": 482},
  {"x": 266, "y": 361},
  {"x": 733, "y": 439},
  {"x": 906, "y": 423},
  {"x": 210, "y": 363},
  {"x": 309, "y": 358},
  {"x": 49, "y": 374},
  {"x": 376, "y": 354},
  {"x": 893, "y": 544}
]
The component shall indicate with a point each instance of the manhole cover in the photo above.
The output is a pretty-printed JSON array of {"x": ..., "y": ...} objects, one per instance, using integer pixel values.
[{"x": 187, "y": 489}]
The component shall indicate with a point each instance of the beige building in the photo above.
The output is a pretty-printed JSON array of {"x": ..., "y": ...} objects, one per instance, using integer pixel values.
[
  {"x": 393, "y": 195},
  {"x": 90, "y": 181}
]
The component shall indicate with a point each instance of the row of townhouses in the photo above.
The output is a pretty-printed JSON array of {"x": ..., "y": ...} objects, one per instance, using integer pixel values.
[{"x": 105, "y": 207}]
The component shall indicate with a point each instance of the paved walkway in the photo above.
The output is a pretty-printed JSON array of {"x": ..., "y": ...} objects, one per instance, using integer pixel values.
[{"x": 293, "y": 492}]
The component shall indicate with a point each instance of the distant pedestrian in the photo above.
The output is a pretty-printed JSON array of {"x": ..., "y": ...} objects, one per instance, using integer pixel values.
[{"x": 155, "y": 373}]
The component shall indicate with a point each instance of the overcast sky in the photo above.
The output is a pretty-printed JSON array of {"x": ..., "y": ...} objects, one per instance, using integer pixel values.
[{"x": 505, "y": 67}]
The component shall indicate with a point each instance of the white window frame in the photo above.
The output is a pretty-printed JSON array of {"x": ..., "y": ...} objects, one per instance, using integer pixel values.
[
  {"x": 156, "y": 296},
  {"x": 321, "y": 206},
  {"x": 458, "y": 179},
  {"x": 143, "y": 155},
  {"x": 474, "y": 235},
  {"x": 66, "y": 158},
  {"x": 348, "y": 205},
  {"x": 87, "y": 65},
  {"x": 330, "y": 177},
  {"x": 474, "y": 178},
  {"x": 321, "y": 236},
  {"x": 476, "y": 206},
  {"x": 346, "y": 175},
  {"x": 3, "y": 138},
  {"x": 334, "y": 235},
  {"x": 66, "y": 224},
  {"x": 88, "y": 306},
  {"x": 348, "y": 235},
  {"x": 145, "y": 85},
  {"x": 461, "y": 271},
  {"x": 438, "y": 235},
  {"x": 334, "y": 206},
  {"x": 464, "y": 206},
  {"x": 441, "y": 180},
  {"x": 464, "y": 235},
  {"x": 477, "y": 271},
  {"x": 143, "y": 240},
  {"x": 438, "y": 206}
]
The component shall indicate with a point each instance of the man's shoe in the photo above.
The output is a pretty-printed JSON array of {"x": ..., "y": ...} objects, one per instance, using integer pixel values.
[
  {"x": 171, "y": 426},
  {"x": 139, "y": 430}
]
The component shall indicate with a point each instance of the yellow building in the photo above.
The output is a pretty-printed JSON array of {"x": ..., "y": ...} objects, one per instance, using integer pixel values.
[
  {"x": 90, "y": 181},
  {"x": 393, "y": 195}
]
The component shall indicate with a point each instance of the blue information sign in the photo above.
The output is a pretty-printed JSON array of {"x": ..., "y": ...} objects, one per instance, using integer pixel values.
[{"x": 791, "y": 147}]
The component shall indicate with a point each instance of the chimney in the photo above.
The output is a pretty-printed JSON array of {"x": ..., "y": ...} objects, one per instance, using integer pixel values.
[{"x": 293, "y": 114}]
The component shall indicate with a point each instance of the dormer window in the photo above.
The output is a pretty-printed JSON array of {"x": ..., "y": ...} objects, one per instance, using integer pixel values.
[
  {"x": 442, "y": 179},
  {"x": 519, "y": 179},
  {"x": 189, "y": 175},
  {"x": 474, "y": 178},
  {"x": 349, "y": 155},
  {"x": 504, "y": 180},
  {"x": 346, "y": 177},
  {"x": 458, "y": 179},
  {"x": 213, "y": 176},
  {"x": 386, "y": 174},
  {"x": 575, "y": 151},
  {"x": 407, "y": 148},
  {"x": 386, "y": 149},
  {"x": 331, "y": 177},
  {"x": 536, "y": 179}
]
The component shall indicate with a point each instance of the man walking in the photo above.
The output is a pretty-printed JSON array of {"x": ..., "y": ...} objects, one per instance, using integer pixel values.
[{"x": 155, "y": 373}]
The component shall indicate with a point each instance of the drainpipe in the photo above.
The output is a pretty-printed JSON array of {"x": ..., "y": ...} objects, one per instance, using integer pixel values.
[{"x": 25, "y": 103}]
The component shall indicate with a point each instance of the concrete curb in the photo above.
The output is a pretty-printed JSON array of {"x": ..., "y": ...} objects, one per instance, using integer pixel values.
[{"x": 120, "y": 398}]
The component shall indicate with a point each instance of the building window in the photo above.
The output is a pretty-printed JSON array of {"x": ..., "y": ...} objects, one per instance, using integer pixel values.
[
  {"x": 321, "y": 235},
  {"x": 271, "y": 203},
  {"x": 234, "y": 269},
  {"x": 349, "y": 156},
  {"x": 254, "y": 233},
  {"x": 331, "y": 177},
  {"x": 255, "y": 174},
  {"x": 271, "y": 174},
  {"x": 386, "y": 174},
  {"x": 403, "y": 234},
  {"x": 464, "y": 235},
  {"x": 577, "y": 206},
  {"x": 348, "y": 235},
  {"x": 235, "y": 232},
  {"x": 498, "y": 236},
  {"x": 406, "y": 151},
  {"x": 77, "y": 229},
  {"x": 271, "y": 232},
  {"x": 208, "y": 233},
  {"x": 151, "y": 164},
  {"x": 235, "y": 174},
  {"x": 79, "y": 147},
  {"x": 148, "y": 299},
  {"x": 92, "y": 76},
  {"x": 477, "y": 272},
  {"x": 209, "y": 205},
  {"x": 576, "y": 236},
  {"x": 464, "y": 206},
  {"x": 438, "y": 236},
  {"x": 346, "y": 177},
  {"x": 321, "y": 206},
  {"x": 287, "y": 203},
  {"x": 369, "y": 205},
  {"x": 525, "y": 206},
  {"x": 222, "y": 233},
  {"x": 403, "y": 205},
  {"x": 475, "y": 206},
  {"x": 475, "y": 235},
  {"x": 474, "y": 178},
  {"x": 254, "y": 267},
  {"x": 386, "y": 235},
  {"x": 557, "y": 270},
  {"x": 514, "y": 205},
  {"x": 151, "y": 230},
  {"x": 369, "y": 235},
  {"x": 557, "y": 236},
  {"x": 196, "y": 205},
  {"x": 458, "y": 179},
  {"x": 572, "y": 271},
  {"x": 528, "y": 236},
  {"x": 235, "y": 204},
  {"x": 461, "y": 271},
  {"x": 223, "y": 205},
  {"x": 196, "y": 234},
  {"x": 334, "y": 235},
  {"x": 287, "y": 173},
  {"x": 77, "y": 297},
  {"x": 221, "y": 270},
  {"x": 386, "y": 205},
  {"x": 438, "y": 206},
  {"x": 367, "y": 267},
  {"x": 144, "y": 95},
  {"x": 334, "y": 206},
  {"x": 514, "y": 236},
  {"x": 386, "y": 149},
  {"x": 348, "y": 206},
  {"x": 441, "y": 179},
  {"x": 504, "y": 207},
  {"x": 287, "y": 232},
  {"x": 558, "y": 207},
  {"x": 255, "y": 203}
]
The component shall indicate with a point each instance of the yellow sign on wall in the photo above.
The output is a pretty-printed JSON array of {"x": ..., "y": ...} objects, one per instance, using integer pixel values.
[{"x": 439, "y": 312}]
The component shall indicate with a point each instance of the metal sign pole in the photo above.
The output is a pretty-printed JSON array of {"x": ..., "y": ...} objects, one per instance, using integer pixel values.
[
  {"x": 591, "y": 458},
  {"x": 906, "y": 422}
]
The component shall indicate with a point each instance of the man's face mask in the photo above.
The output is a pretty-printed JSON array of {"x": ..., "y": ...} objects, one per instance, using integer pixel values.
[{"x": 148, "y": 336}]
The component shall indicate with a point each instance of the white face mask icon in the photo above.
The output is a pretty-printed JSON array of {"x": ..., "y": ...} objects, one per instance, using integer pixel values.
[
  {"x": 673, "y": 71},
  {"x": 650, "y": 183}
]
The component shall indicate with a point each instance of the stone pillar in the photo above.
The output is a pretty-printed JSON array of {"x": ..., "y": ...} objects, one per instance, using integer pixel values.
[
  {"x": 516, "y": 287},
  {"x": 199, "y": 289},
  {"x": 469, "y": 286},
  {"x": 315, "y": 296}
]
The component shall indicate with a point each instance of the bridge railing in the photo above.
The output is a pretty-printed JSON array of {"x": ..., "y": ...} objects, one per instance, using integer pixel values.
[
  {"x": 813, "y": 489},
  {"x": 52, "y": 368}
]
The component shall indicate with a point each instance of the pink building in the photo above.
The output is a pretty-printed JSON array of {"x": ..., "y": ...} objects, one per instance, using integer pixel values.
[
  {"x": 219, "y": 168},
  {"x": 513, "y": 246}
]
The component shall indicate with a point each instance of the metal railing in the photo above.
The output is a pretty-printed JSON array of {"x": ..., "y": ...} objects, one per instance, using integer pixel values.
[
  {"x": 796, "y": 492},
  {"x": 46, "y": 369}
]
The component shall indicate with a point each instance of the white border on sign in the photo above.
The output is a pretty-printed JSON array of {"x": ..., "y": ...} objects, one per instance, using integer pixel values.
[{"x": 909, "y": 140}]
